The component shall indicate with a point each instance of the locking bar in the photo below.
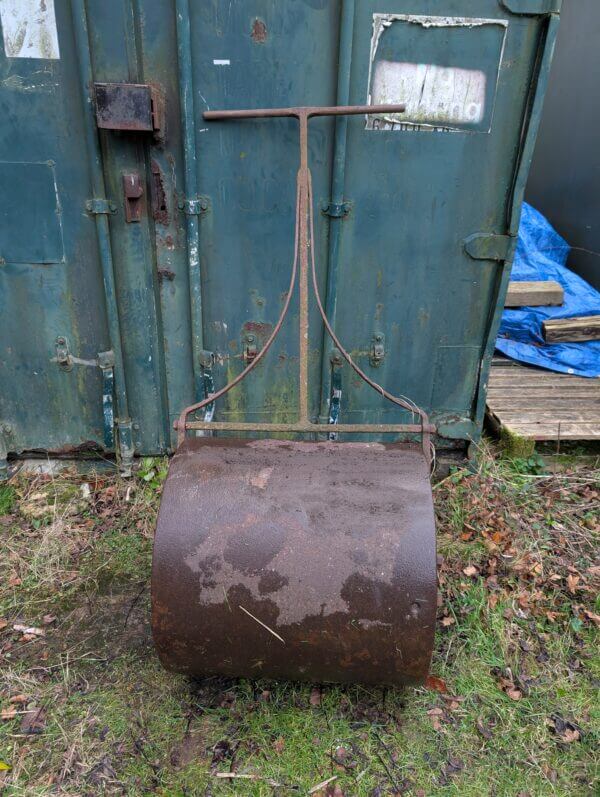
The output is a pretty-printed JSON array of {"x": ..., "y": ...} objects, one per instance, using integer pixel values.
[
  {"x": 106, "y": 362},
  {"x": 335, "y": 399}
]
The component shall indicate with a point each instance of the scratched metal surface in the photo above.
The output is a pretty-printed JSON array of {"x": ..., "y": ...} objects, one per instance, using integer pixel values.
[
  {"x": 331, "y": 547},
  {"x": 403, "y": 271}
]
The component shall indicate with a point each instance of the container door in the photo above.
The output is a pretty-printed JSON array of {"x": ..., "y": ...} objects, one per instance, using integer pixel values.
[
  {"x": 52, "y": 314},
  {"x": 432, "y": 193}
]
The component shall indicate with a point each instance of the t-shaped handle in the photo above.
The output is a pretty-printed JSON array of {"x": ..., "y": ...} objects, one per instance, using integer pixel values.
[
  {"x": 304, "y": 236},
  {"x": 307, "y": 112}
]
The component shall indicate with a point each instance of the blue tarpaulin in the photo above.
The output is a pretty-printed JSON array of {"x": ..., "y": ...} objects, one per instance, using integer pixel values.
[{"x": 541, "y": 255}]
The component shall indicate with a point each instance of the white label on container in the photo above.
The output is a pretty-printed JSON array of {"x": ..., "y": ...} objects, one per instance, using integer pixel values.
[
  {"x": 29, "y": 29},
  {"x": 434, "y": 95}
]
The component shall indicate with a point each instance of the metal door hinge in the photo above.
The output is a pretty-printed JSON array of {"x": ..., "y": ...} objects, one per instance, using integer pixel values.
[
  {"x": 336, "y": 210},
  {"x": 377, "y": 353},
  {"x": 532, "y": 7},
  {"x": 97, "y": 206},
  {"x": 194, "y": 207},
  {"x": 488, "y": 246}
]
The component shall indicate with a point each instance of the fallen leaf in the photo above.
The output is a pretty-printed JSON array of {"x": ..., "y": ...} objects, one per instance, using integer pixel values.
[
  {"x": 570, "y": 735},
  {"x": 30, "y": 630},
  {"x": 18, "y": 699},
  {"x": 446, "y": 621},
  {"x": 470, "y": 570},
  {"x": 572, "y": 582},
  {"x": 3, "y": 623},
  {"x": 514, "y": 693},
  {"x": 435, "y": 712},
  {"x": 34, "y": 721},
  {"x": 48, "y": 619},
  {"x": 315, "y": 697},
  {"x": 279, "y": 744},
  {"x": 595, "y": 618},
  {"x": 8, "y": 713},
  {"x": 221, "y": 751},
  {"x": 484, "y": 730},
  {"x": 15, "y": 581},
  {"x": 567, "y": 732},
  {"x": 4, "y": 767},
  {"x": 436, "y": 684}
]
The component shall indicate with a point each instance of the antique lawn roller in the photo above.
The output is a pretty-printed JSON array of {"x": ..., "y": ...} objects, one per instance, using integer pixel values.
[{"x": 297, "y": 559}]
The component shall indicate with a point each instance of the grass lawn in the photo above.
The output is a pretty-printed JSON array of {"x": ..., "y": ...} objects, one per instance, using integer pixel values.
[{"x": 513, "y": 709}]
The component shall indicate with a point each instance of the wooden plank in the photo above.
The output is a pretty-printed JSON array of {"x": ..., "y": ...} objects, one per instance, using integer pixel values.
[
  {"x": 517, "y": 379},
  {"x": 534, "y": 294},
  {"x": 556, "y": 416},
  {"x": 572, "y": 330},
  {"x": 550, "y": 431},
  {"x": 541, "y": 405},
  {"x": 506, "y": 403},
  {"x": 533, "y": 374},
  {"x": 537, "y": 394}
]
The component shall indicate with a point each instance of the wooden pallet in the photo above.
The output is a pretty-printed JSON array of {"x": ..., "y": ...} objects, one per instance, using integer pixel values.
[{"x": 536, "y": 404}]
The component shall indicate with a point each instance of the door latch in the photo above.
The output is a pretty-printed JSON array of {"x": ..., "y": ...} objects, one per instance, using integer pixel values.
[
  {"x": 63, "y": 355},
  {"x": 250, "y": 347},
  {"x": 377, "y": 350},
  {"x": 133, "y": 192}
]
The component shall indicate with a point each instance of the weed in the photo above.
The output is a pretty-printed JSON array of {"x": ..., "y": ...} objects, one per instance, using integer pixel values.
[{"x": 7, "y": 499}]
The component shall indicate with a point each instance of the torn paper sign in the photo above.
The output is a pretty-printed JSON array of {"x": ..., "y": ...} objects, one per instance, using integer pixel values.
[
  {"x": 432, "y": 94},
  {"x": 29, "y": 29}
]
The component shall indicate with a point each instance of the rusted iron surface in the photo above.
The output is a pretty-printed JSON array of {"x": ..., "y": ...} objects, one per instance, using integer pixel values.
[
  {"x": 124, "y": 106},
  {"x": 306, "y": 561}
]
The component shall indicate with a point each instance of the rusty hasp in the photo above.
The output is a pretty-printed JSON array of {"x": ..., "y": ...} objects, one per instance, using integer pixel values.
[{"x": 303, "y": 560}]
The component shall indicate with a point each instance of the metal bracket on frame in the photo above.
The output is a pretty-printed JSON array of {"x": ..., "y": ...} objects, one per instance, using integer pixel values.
[
  {"x": 336, "y": 210},
  {"x": 194, "y": 207},
  {"x": 377, "y": 353},
  {"x": 97, "y": 206},
  {"x": 488, "y": 246}
]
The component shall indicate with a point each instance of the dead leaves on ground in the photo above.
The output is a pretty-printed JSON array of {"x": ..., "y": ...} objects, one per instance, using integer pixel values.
[
  {"x": 539, "y": 556},
  {"x": 566, "y": 731}
]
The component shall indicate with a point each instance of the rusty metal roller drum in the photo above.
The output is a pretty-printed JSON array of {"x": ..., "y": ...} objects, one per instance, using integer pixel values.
[{"x": 296, "y": 560}]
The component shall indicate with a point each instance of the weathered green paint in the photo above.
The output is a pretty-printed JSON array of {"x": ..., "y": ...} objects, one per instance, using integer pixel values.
[{"x": 415, "y": 246}]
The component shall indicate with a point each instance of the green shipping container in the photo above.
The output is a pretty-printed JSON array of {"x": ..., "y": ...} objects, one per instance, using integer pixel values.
[{"x": 145, "y": 253}]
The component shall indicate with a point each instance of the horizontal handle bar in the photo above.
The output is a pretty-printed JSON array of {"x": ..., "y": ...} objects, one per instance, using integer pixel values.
[
  {"x": 354, "y": 428},
  {"x": 333, "y": 110}
]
